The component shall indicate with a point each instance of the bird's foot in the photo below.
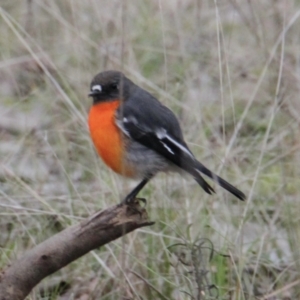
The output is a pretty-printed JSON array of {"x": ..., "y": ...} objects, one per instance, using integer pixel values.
[
  {"x": 133, "y": 204},
  {"x": 129, "y": 200}
]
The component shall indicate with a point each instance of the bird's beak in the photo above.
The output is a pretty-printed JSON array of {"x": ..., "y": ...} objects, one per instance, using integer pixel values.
[{"x": 94, "y": 93}]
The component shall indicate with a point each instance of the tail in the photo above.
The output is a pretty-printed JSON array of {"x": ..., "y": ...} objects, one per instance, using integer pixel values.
[
  {"x": 223, "y": 183},
  {"x": 200, "y": 180}
]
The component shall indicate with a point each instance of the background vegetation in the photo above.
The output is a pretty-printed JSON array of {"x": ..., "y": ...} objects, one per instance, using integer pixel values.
[{"x": 230, "y": 71}]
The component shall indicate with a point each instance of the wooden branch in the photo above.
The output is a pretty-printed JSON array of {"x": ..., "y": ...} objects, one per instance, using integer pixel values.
[{"x": 18, "y": 279}]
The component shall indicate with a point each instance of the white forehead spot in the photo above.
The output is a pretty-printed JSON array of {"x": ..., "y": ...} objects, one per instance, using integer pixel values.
[{"x": 97, "y": 87}]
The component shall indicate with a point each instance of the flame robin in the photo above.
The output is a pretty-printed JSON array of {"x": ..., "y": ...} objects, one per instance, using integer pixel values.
[{"x": 138, "y": 137}]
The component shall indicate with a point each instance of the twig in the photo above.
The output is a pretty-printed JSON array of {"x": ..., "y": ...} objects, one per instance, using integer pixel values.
[{"x": 18, "y": 279}]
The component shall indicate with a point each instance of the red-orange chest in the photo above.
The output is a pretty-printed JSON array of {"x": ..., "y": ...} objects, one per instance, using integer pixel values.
[{"x": 106, "y": 135}]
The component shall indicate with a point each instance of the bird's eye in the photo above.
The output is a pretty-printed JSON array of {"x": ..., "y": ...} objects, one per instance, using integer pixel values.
[{"x": 115, "y": 86}]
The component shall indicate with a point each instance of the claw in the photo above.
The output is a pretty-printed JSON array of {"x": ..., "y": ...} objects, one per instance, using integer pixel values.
[
  {"x": 130, "y": 200},
  {"x": 142, "y": 200},
  {"x": 133, "y": 204}
]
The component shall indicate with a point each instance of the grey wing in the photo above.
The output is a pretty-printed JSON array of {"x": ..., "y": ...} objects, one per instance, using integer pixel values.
[{"x": 155, "y": 127}]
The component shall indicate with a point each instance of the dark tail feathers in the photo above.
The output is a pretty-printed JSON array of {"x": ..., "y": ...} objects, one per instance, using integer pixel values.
[{"x": 223, "y": 183}]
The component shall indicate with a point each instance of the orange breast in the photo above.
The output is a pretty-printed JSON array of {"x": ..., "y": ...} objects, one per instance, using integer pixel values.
[{"x": 107, "y": 137}]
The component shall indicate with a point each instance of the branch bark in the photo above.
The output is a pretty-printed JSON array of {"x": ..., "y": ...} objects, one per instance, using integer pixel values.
[{"x": 18, "y": 279}]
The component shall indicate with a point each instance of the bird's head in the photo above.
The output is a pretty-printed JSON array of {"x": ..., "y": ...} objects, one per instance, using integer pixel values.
[{"x": 110, "y": 85}]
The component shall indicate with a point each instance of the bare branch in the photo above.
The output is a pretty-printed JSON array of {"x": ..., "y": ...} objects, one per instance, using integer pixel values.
[{"x": 18, "y": 279}]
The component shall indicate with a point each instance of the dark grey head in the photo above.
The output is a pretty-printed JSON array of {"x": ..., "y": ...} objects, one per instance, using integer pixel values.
[{"x": 110, "y": 85}]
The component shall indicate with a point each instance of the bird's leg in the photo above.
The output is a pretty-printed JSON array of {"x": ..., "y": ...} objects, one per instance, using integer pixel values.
[{"x": 132, "y": 195}]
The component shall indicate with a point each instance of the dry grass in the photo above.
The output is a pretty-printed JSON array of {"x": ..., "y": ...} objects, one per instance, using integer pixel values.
[{"x": 230, "y": 72}]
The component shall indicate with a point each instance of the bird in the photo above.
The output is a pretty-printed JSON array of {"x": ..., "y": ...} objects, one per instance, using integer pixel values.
[{"x": 137, "y": 136}]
